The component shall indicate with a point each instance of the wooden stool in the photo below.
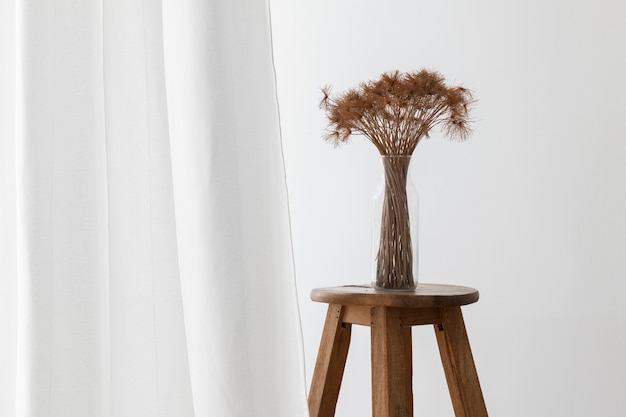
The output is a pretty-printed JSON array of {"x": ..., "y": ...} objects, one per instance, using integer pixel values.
[{"x": 390, "y": 316}]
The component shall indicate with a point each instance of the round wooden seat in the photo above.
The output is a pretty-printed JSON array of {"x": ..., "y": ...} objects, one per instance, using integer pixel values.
[{"x": 425, "y": 296}]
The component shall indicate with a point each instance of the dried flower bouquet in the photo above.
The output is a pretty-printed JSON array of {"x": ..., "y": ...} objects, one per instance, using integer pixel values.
[{"x": 395, "y": 112}]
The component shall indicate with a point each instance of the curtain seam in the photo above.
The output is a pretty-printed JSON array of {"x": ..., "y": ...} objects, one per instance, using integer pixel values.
[
  {"x": 109, "y": 326},
  {"x": 150, "y": 195},
  {"x": 289, "y": 224},
  {"x": 51, "y": 207}
]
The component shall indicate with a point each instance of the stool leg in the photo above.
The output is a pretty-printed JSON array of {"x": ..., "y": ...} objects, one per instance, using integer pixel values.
[
  {"x": 458, "y": 364},
  {"x": 389, "y": 367},
  {"x": 408, "y": 363},
  {"x": 330, "y": 364}
]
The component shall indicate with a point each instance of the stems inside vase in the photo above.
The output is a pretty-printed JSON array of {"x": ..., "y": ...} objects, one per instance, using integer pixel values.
[{"x": 395, "y": 255}]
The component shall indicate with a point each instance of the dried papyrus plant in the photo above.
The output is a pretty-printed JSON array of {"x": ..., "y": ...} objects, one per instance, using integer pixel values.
[{"x": 395, "y": 112}]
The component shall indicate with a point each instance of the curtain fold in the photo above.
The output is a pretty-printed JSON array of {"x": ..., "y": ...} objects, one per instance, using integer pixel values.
[
  {"x": 144, "y": 186},
  {"x": 149, "y": 367},
  {"x": 8, "y": 214},
  {"x": 61, "y": 211}
]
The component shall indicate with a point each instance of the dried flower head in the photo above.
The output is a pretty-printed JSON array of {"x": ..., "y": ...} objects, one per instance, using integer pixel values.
[{"x": 396, "y": 111}]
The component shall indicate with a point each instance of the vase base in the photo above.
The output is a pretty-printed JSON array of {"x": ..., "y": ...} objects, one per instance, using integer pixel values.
[{"x": 386, "y": 289}]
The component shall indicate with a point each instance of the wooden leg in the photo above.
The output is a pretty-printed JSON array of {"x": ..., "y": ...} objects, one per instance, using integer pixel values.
[
  {"x": 458, "y": 364},
  {"x": 408, "y": 364},
  {"x": 331, "y": 361},
  {"x": 389, "y": 368}
]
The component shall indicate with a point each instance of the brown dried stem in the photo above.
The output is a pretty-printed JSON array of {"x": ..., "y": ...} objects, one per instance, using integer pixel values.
[{"x": 394, "y": 261}]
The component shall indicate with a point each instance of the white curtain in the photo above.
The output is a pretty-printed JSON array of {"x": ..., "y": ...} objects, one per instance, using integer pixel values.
[{"x": 146, "y": 264}]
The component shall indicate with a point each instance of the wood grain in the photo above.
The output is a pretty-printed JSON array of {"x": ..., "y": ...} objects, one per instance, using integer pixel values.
[
  {"x": 425, "y": 296},
  {"x": 458, "y": 364},
  {"x": 389, "y": 367},
  {"x": 330, "y": 364}
]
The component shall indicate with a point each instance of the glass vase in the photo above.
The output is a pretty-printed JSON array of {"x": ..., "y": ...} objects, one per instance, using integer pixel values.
[{"x": 395, "y": 227}]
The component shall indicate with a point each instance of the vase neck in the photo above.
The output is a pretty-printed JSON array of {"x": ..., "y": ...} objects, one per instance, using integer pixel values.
[{"x": 397, "y": 164}]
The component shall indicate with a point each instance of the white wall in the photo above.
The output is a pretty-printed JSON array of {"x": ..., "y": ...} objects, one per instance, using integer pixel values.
[{"x": 531, "y": 210}]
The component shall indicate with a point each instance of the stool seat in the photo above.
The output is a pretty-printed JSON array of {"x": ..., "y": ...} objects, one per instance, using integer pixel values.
[
  {"x": 424, "y": 296},
  {"x": 390, "y": 316}
]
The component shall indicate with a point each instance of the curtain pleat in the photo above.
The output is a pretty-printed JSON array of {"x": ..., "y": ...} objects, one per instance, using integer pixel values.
[
  {"x": 61, "y": 210},
  {"x": 147, "y": 264},
  {"x": 231, "y": 208},
  {"x": 8, "y": 213},
  {"x": 149, "y": 367}
]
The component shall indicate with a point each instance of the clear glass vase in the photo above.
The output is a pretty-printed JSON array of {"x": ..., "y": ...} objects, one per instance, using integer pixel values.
[{"x": 395, "y": 227}]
